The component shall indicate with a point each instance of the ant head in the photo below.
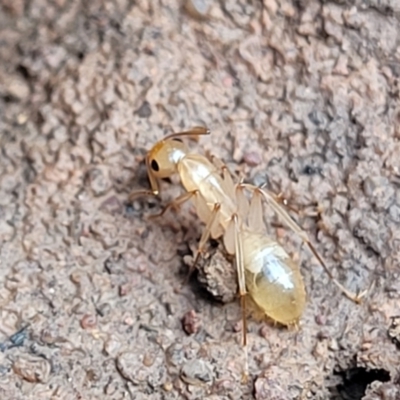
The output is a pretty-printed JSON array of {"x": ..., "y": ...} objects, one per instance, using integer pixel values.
[{"x": 163, "y": 158}]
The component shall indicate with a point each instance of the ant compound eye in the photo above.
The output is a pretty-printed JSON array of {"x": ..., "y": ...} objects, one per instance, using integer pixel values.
[{"x": 154, "y": 165}]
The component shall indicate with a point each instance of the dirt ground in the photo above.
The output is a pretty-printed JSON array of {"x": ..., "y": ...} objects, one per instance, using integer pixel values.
[{"x": 303, "y": 95}]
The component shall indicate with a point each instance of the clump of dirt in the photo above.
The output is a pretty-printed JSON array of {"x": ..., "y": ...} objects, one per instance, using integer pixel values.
[{"x": 215, "y": 272}]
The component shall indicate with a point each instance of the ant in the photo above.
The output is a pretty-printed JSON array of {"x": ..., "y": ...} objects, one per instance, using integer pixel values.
[{"x": 264, "y": 269}]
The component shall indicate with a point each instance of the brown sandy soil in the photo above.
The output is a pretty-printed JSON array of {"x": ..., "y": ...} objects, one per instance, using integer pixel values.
[{"x": 302, "y": 95}]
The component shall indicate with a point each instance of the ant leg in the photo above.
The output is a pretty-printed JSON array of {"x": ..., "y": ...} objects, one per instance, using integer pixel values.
[
  {"x": 183, "y": 198},
  {"x": 234, "y": 245},
  {"x": 155, "y": 187},
  {"x": 140, "y": 193},
  {"x": 280, "y": 199},
  {"x": 218, "y": 163},
  {"x": 255, "y": 215},
  {"x": 210, "y": 227},
  {"x": 201, "y": 206},
  {"x": 229, "y": 186},
  {"x": 282, "y": 213},
  {"x": 195, "y": 131},
  {"x": 242, "y": 202}
]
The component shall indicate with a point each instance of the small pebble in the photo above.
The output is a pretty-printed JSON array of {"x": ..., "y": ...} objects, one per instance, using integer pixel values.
[
  {"x": 196, "y": 372},
  {"x": 191, "y": 322},
  {"x": 128, "y": 321},
  {"x": 197, "y": 8},
  {"x": 137, "y": 369},
  {"x": 93, "y": 375},
  {"x": 88, "y": 321},
  {"x": 252, "y": 158},
  {"x": 111, "y": 346},
  {"x": 32, "y": 369},
  {"x": 49, "y": 335},
  {"x": 264, "y": 331},
  {"x": 124, "y": 289},
  {"x": 148, "y": 359},
  {"x": 144, "y": 110},
  {"x": 394, "y": 330},
  {"x": 238, "y": 326}
]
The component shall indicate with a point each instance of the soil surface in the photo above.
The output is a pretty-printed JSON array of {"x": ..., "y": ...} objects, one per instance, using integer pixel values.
[{"x": 301, "y": 95}]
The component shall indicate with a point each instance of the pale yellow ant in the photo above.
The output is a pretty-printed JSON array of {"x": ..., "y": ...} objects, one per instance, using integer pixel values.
[{"x": 264, "y": 270}]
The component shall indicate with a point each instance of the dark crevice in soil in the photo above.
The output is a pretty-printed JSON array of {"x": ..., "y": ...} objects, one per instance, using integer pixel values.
[{"x": 355, "y": 382}]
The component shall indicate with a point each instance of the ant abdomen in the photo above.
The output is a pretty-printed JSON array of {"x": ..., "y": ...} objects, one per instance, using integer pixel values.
[{"x": 273, "y": 279}]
